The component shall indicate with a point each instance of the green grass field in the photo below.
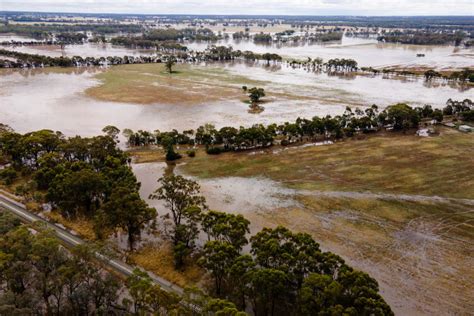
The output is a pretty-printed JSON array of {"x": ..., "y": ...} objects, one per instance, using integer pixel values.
[{"x": 386, "y": 163}]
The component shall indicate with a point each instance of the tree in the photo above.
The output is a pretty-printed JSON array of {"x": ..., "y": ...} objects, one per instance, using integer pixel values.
[
  {"x": 179, "y": 194},
  {"x": 126, "y": 210},
  {"x": 255, "y": 94},
  {"x": 182, "y": 198},
  {"x": 402, "y": 116},
  {"x": 269, "y": 292},
  {"x": 77, "y": 192},
  {"x": 226, "y": 227},
  {"x": 217, "y": 259},
  {"x": 138, "y": 285},
  {"x": 318, "y": 293},
  {"x": 170, "y": 62},
  {"x": 111, "y": 131}
]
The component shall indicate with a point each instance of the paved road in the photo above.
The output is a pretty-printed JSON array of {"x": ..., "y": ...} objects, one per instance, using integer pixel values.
[{"x": 71, "y": 240}]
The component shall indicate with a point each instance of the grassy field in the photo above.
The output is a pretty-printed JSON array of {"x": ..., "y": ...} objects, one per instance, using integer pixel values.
[
  {"x": 388, "y": 163},
  {"x": 187, "y": 85},
  {"x": 150, "y": 83}
]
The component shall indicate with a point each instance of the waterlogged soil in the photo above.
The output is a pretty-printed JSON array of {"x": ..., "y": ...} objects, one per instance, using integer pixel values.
[
  {"x": 419, "y": 250},
  {"x": 83, "y": 101}
]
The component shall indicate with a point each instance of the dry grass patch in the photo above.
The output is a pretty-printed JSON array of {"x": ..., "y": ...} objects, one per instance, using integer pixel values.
[
  {"x": 84, "y": 227},
  {"x": 159, "y": 260}
]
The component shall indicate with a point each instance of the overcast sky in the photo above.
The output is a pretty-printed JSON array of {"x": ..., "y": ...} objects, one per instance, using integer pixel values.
[{"x": 282, "y": 7}]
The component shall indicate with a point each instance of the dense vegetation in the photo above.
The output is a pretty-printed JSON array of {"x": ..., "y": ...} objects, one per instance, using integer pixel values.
[
  {"x": 80, "y": 177},
  {"x": 166, "y": 38},
  {"x": 40, "y": 277}
]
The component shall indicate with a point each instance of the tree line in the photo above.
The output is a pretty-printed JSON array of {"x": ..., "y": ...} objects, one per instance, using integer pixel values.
[
  {"x": 399, "y": 117},
  {"x": 423, "y": 37},
  {"x": 46, "y": 31},
  {"x": 177, "y": 53}
]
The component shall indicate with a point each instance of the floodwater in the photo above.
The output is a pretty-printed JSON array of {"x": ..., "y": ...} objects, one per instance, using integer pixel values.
[
  {"x": 55, "y": 99},
  {"x": 366, "y": 51},
  {"x": 420, "y": 268}
]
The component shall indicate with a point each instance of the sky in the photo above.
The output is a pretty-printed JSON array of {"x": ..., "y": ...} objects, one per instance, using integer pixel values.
[{"x": 248, "y": 7}]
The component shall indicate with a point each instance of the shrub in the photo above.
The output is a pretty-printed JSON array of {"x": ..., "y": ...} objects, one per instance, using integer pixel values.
[
  {"x": 8, "y": 175},
  {"x": 468, "y": 115},
  {"x": 172, "y": 155},
  {"x": 213, "y": 150},
  {"x": 191, "y": 153}
]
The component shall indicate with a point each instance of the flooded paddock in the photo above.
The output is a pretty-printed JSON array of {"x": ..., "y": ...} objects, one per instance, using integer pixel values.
[{"x": 57, "y": 99}]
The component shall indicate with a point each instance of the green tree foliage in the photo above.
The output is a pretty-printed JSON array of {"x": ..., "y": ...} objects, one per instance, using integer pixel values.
[
  {"x": 402, "y": 116},
  {"x": 38, "y": 276},
  {"x": 182, "y": 198},
  {"x": 226, "y": 227},
  {"x": 127, "y": 211},
  {"x": 169, "y": 64},
  {"x": 82, "y": 177},
  {"x": 255, "y": 94}
]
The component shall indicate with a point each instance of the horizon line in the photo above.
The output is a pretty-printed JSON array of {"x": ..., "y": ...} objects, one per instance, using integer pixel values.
[{"x": 235, "y": 14}]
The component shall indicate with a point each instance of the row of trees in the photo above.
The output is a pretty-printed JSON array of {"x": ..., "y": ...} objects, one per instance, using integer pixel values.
[
  {"x": 331, "y": 66},
  {"x": 25, "y": 60},
  {"x": 399, "y": 117},
  {"x": 47, "y": 31},
  {"x": 320, "y": 36},
  {"x": 40, "y": 277},
  {"x": 80, "y": 177},
  {"x": 423, "y": 37},
  {"x": 285, "y": 273},
  {"x": 167, "y": 51}
]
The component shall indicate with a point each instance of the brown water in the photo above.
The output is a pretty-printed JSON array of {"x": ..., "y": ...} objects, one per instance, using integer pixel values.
[
  {"x": 55, "y": 99},
  {"x": 420, "y": 268},
  {"x": 368, "y": 52}
]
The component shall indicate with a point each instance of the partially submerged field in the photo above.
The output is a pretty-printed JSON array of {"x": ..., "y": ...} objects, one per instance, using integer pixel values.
[
  {"x": 400, "y": 207},
  {"x": 151, "y": 83}
]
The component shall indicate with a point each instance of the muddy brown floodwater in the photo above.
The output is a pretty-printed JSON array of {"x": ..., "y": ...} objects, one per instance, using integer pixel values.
[{"x": 55, "y": 99}]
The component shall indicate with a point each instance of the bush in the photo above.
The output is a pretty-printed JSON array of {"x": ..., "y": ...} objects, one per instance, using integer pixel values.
[
  {"x": 8, "y": 175},
  {"x": 172, "y": 155},
  {"x": 191, "y": 153},
  {"x": 214, "y": 150},
  {"x": 468, "y": 115},
  {"x": 285, "y": 142}
]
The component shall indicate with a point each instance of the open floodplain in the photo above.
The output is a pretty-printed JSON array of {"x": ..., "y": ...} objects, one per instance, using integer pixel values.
[{"x": 398, "y": 206}]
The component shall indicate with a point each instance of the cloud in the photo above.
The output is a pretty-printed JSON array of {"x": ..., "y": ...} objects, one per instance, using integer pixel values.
[{"x": 281, "y": 7}]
